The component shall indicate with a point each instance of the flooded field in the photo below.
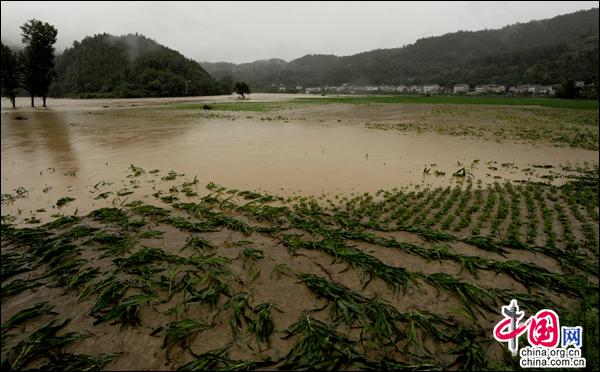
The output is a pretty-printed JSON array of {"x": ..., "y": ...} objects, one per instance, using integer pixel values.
[
  {"x": 76, "y": 144},
  {"x": 288, "y": 235}
]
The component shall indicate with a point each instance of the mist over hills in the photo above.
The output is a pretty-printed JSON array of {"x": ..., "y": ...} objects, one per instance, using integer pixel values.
[
  {"x": 128, "y": 66},
  {"x": 544, "y": 51},
  {"x": 547, "y": 51}
]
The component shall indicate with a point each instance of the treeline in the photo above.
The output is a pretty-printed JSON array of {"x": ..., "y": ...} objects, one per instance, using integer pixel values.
[
  {"x": 30, "y": 69},
  {"x": 130, "y": 66},
  {"x": 545, "y": 52}
]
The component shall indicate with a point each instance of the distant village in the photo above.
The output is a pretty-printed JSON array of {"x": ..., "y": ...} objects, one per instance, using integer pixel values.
[{"x": 525, "y": 89}]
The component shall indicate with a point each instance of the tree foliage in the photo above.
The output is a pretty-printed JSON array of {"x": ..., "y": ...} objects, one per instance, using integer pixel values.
[
  {"x": 37, "y": 59},
  {"x": 241, "y": 88},
  {"x": 128, "y": 66},
  {"x": 539, "y": 52},
  {"x": 9, "y": 72}
]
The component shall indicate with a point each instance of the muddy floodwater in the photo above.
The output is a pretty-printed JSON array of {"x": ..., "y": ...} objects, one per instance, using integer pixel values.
[
  {"x": 141, "y": 232},
  {"x": 75, "y": 144}
]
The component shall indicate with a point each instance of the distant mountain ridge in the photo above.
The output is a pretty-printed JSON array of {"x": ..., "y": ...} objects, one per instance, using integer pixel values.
[{"x": 543, "y": 51}]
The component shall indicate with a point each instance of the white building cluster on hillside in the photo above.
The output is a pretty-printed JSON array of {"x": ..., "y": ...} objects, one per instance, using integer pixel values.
[{"x": 526, "y": 89}]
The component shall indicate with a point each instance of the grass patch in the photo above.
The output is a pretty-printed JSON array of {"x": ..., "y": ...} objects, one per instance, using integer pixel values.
[{"x": 458, "y": 100}]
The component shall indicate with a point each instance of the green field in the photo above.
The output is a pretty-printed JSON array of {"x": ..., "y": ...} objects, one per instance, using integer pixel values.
[
  {"x": 451, "y": 100},
  {"x": 459, "y": 100},
  {"x": 240, "y": 106}
]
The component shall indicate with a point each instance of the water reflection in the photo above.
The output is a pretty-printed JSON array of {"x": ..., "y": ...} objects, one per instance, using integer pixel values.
[
  {"x": 40, "y": 136},
  {"x": 244, "y": 153}
]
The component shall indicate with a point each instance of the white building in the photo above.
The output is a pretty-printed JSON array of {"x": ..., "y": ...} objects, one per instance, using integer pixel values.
[
  {"x": 520, "y": 89},
  {"x": 534, "y": 89},
  {"x": 431, "y": 88},
  {"x": 460, "y": 88},
  {"x": 496, "y": 88}
]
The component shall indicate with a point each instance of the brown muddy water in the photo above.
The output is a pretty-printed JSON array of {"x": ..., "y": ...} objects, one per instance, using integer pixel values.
[{"x": 68, "y": 148}]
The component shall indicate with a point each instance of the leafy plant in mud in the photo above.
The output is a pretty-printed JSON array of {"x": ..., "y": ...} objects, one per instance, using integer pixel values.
[
  {"x": 64, "y": 201},
  {"x": 13, "y": 263},
  {"x": 377, "y": 317},
  {"x": 127, "y": 312},
  {"x": 135, "y": 171},
  {"x": 371, "y": 267},
  {"x": 218, "y": 360},
  {"x": 210, "y": 262},
  {"x": 215, "y": 287},
  {"x": 17, "y": 286},
  {"x": 146, "y": 256},
  {"x": 240, "y": 311},
  {"x": 171, "y": 176},
  {"x": 319, "y": 347},
  {"x": 110, "y": 291},
  {"x": 486, "y": 243},
  {"x": 156, "y": 213},
  {"x": 78, "y": 278},
  {"x": 502, "y": 211},
  {"x": 487, "y": 211},
  {"x": 182, "y": 332},
  {"x": 446, "y": 206},
  {"x": 62, "y": 222},
  {"x": 40, "y": 342},
  {"x": 381, "y": 327},
  {"x": 567, "y": 237},
  {"x": 532, "y": 222},
  {"x": 470, "y": 350},
  {"x": 39, "y": 309},
  {"x": 116, "y": 217},
  {"x": 252, "y": 254},
  {"x": 198, "y": 244},
  {"x": 430, "y": 234},
  {"x": 280, "y": 270},
  {"x": 261, "y": 323},
  {"x": 472, "y": 298},
  {"x": 346, "y": 306},
  {"x": 430, "y": 324},
  {"x": 116, "y": 245},
  {"x": 465, "y": 220},
  {"x": 440, "y": 197},
  {"x": 512, "y": 232},
  {"x": 79, "y": 362}
]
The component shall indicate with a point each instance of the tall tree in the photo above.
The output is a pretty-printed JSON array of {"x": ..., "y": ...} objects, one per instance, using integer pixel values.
[
  {"x": 38, "y": 57},
  {"x": 9, "y": 72},
  {"x": 241, "y": 88}
]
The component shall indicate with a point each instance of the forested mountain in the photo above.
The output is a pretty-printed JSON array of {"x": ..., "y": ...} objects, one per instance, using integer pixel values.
[
  {"x": 545, "y": 52},
  {"x": 259, "y": 72},
  {"x": 128, "y": 66}
]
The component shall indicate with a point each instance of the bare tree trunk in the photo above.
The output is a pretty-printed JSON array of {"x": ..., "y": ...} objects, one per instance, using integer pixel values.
[
  {"x": 44, "y": 98},
  {"x": 12, "y": 98},
  {"x": 32, "y": 104}
]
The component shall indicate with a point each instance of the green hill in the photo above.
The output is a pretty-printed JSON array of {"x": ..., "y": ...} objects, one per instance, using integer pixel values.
[
  {"x": 544, "y": 52},
  {"x": 128, "y": 66}
]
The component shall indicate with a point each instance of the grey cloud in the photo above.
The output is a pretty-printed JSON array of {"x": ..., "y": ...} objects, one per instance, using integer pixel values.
[{"x": 247, "y": 31}]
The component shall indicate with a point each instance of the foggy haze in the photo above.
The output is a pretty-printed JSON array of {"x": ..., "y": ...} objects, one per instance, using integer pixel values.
[{"x": 243, "y": 32}]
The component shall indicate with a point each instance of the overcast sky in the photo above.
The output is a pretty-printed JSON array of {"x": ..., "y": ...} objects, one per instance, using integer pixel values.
[{"x": 246, "y": 31}]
